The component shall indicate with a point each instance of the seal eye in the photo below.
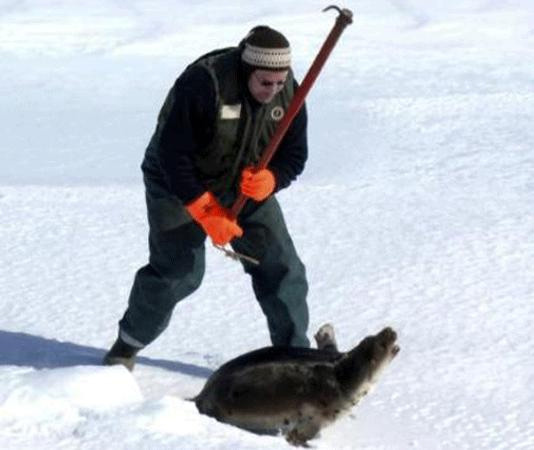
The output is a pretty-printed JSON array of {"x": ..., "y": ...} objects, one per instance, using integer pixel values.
[{"x": 369, "y": 351}]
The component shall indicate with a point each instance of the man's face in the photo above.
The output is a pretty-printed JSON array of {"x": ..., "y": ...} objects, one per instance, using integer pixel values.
[{"x": 265, "y": 84}]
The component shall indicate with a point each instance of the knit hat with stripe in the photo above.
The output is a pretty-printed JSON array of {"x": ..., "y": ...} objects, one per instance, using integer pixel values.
[{"x": 266, "y": 49}]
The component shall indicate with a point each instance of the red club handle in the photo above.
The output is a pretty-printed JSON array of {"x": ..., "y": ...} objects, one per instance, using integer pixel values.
[{"x": 344, "y": 19}]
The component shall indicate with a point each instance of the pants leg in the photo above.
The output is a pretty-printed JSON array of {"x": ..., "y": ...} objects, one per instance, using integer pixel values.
[
  {"x": 279, "y": 282},
  {"x": 175, "y": 269}
]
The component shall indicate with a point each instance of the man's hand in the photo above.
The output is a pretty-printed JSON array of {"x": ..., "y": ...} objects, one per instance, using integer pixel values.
[
  {"x": 214, "y": 219},
  {"x": 257, "y": 184}
]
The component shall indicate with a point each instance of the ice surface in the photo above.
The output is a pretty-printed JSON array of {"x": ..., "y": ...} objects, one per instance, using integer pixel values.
[{"x": 415, "y": 211}]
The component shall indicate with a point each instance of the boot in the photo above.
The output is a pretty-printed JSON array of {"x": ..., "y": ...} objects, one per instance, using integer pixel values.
[{"x": 121, "y": 353}]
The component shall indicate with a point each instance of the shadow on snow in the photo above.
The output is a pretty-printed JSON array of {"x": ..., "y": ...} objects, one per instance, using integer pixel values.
[{"x": 22, "y": 349}]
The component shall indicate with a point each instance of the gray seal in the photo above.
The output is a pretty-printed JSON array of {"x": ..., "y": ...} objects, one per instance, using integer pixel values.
[{"x": 296, "y": 391}]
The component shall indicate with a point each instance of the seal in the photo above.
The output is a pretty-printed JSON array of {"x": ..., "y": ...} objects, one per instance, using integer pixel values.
[{"x": 296, "y": 391}]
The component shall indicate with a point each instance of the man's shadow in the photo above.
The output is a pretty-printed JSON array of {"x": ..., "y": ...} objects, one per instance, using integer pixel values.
[{"x": 22, "y": 349}]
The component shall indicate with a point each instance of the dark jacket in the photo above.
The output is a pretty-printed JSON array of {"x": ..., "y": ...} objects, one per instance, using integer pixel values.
[{"x": 186, "y": 128}]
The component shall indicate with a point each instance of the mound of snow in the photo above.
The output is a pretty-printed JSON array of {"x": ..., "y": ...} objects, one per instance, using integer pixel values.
[{"x": 39, "y": 398}]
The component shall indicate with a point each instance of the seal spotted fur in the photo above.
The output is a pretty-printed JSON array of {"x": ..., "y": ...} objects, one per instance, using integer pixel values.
[{"x": 296, "y": 391}]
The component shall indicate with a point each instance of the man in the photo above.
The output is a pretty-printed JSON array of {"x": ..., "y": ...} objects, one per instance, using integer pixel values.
[{"x": 213, "y": 126}]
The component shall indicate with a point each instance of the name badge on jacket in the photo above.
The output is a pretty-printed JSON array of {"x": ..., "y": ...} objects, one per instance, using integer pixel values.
[{"x": 231, "y": 111}]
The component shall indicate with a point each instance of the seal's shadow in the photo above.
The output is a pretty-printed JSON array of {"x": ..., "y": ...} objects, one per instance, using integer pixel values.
[{"x": 22, "y": 349}]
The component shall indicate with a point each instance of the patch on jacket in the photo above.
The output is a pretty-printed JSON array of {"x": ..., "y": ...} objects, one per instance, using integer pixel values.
[
  {"x": 231, "y": 111},
  {"x": 277, "y": 113}
]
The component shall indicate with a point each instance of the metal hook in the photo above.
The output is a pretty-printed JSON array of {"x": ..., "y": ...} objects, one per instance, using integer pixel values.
[
  {"x": 236, "y": 256},
  {"x": 346, "y": 13}
]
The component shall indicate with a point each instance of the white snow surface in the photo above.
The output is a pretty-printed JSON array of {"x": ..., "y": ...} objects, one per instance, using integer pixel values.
[{"x": 415, "y": 211}]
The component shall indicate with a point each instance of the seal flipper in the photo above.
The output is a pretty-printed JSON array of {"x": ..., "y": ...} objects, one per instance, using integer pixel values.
[
  {"x": 303, "y": 431},
  {"x": 326, "y": 338}
]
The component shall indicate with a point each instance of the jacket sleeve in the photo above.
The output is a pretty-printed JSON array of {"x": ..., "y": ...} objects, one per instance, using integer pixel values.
[
  {"x": 290, "y": 158},
  {"x": 185, "y": 129}
]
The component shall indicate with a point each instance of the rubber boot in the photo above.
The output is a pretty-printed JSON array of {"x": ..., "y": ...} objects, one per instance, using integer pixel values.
[{"x": 121, "y": 353}]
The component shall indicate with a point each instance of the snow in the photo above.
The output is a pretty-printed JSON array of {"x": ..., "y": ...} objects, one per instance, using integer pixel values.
[{"x": 415, "y": 211}]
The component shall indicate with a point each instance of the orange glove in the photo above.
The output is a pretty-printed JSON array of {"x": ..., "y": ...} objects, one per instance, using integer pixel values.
[
  {"x": 257, "y": 184},
  {"x": 214, "y": 219}
]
